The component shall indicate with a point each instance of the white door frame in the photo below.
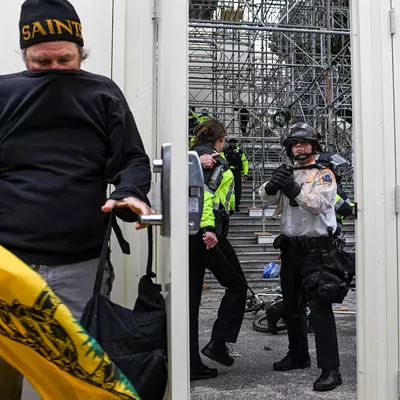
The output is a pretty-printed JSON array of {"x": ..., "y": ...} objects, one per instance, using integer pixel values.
[
  {"x": 133, "y": 58},
  {"x": 395, "y": 21},
  {"x": 154, "y": 75},
  {"x": 376, "y": 231},
  {"x": 172, "y": 126}
]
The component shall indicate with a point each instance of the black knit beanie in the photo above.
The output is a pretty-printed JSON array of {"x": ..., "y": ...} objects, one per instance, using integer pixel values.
[{"x": 49, "y": 21}]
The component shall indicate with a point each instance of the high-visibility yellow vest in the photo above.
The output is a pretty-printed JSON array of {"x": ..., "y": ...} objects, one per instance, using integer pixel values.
[
  {"x": 42, "y": 340},
  {"x": 224, "y": 195},
  {"x": 343, "y": 207}
]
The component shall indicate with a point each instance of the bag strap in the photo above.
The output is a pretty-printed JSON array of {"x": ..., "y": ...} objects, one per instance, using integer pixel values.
[
  {"x": 113, "y": 224},
  {"x": 149, "y": 268}
]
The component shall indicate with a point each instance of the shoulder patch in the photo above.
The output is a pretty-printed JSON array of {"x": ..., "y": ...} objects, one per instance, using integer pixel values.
[{"x": 327, "y": 177}]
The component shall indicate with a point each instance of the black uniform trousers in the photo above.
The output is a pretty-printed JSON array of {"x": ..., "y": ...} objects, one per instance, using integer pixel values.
[
  {"x": 237, "y": 174},
  {"x": 296, "y": 267},
  {"x": 231, "y": 311}
]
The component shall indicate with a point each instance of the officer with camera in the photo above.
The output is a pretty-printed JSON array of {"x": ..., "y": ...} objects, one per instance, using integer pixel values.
[
  {"x": 211, "y": 249},
  {"x": 305, "y": 195}
]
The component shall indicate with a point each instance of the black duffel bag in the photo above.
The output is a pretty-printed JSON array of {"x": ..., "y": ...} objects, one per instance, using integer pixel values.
[
  {"x": 136, "y": 340},
  {"x": 336, "y": 275}
]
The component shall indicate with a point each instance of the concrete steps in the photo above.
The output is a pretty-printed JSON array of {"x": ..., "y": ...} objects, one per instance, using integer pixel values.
[
  {"x": 252, "y": 274},
  {"x": 256, "y": 284},
  {"x": 248, "y": 230},
  {"x": 236, "y": 241}
]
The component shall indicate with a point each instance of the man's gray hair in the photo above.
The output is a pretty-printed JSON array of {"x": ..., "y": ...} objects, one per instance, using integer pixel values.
[{"x": 83, "y": 54}]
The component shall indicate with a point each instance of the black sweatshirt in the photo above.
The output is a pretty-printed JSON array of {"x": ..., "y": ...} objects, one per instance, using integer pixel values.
[{"x": 64, "y": 135}]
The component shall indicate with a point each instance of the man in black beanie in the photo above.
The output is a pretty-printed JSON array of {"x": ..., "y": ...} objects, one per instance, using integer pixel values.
[
  {"x": 50, "y": 35},
  {"x": 65, "y": 135}
]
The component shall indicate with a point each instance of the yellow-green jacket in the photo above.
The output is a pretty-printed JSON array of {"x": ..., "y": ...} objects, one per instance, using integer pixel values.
[
  {"x": 194, "y": 120},
  {"x": 343, "y": 205},
  {"x": 197, "y": 119},
  {"x": 223, "y": 196}
]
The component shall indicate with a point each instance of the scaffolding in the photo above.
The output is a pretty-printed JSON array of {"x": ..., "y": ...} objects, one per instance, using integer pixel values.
[{"x": 259, "y": 65}]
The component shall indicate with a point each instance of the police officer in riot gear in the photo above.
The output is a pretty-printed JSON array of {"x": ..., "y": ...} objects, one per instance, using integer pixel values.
[
  {"x": 305, "y": 196},
  {"x": 211, "y": 249}
]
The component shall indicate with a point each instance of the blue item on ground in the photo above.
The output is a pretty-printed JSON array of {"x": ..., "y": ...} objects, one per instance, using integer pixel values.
[{"x": 272, "y": 270}]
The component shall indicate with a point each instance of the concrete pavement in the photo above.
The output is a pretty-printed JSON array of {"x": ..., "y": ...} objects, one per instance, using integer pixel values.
[{"x": 252, "y": 377}]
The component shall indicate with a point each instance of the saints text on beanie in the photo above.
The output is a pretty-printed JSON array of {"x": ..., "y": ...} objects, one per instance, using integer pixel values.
[{"x": 49, "y": 21}]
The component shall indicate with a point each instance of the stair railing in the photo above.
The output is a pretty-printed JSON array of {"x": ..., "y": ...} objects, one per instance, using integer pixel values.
[{"x": 257, "y": 180}]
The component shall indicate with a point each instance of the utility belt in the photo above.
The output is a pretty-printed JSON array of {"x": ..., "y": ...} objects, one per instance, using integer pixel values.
[
  {"x": 304, "y": 244},
  {"x": 333, "y": 280},
  {"x": 221, "y": 222}
]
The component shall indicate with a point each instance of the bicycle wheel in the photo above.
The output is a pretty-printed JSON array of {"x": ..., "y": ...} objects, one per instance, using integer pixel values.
[{"x": 261, "y": 325}]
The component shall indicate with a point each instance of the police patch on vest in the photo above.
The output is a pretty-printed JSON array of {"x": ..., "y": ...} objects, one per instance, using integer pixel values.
[{"x": 327, "y": 177}]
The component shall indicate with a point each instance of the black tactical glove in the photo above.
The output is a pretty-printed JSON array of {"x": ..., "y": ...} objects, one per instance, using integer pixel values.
[
  {"x": 273, "y": 186},
  {"x": 283, "y": 179},
  {"x": 282, "y": 167},
  {"x": 271, "y": 189},
  {"x": 292, "y": 193}
]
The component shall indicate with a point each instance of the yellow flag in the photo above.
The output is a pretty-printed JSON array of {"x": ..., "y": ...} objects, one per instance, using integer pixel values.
[{"x": 40, "y": 338}]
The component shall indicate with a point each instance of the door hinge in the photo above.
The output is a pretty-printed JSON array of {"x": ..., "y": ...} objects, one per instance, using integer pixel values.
[
  {"x": 156, "y": 10},
  {"x": 392, "y": 21},
  {"x": 397, "y": 198}
]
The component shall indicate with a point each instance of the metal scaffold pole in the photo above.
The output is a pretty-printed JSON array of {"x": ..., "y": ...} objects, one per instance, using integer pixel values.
[
  {"x": 329, "y": 83},
  {"x": 269, "y": 57}
]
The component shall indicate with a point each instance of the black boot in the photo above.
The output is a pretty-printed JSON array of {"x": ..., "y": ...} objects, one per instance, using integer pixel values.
[
  {"x": 217, "y": 351},
  {"x": 329, "y": 379},
  {"x": 290, "y": 362},
  {"x": 203, "y": 372}
]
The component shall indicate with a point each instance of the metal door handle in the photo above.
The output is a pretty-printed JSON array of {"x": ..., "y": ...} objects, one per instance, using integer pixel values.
[
  {"x": 155, "y": 219},
  {"x": 163, "y": 167},
  {"x": 196, "y": 193}
]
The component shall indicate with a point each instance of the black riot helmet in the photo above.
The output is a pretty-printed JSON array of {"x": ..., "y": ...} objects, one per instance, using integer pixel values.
[{"x": 301, "y": 131}]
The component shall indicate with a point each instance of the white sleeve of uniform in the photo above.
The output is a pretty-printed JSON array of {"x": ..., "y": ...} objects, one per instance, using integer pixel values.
[
  {"x": 269, "y": 200},
  {"x": 321, "y": 195}
]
